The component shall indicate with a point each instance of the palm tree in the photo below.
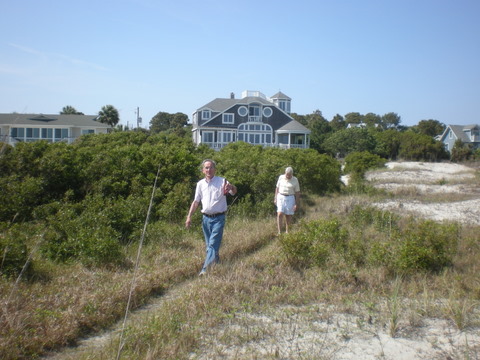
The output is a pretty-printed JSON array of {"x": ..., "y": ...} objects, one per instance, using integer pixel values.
[
  {"x": 70, "y": 110},
  {"x": 108, "y": 115}
]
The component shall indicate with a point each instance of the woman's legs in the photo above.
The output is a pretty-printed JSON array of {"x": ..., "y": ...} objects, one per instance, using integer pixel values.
[
  {"x": 279, "y": 221},
  {"x": 288, "y": 220}
]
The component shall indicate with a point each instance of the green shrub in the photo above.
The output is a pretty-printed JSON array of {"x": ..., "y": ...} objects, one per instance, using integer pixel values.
[
  {"x": 420, "y": 246},
  {"x": 75, "y": 235},
  {"x": 13, "y": 251},
  {"x": 426, "y": 246},
  {"x": 374, "y": 239},
  {"x": 362, "y": 216},
  {"x": 360, "y": 162},
  {"x": 315, "y": 242}
]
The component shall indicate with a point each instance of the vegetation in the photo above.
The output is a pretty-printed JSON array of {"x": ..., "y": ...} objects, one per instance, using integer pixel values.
[
  {"x": 70, "y": 110},
  {"x": 109, "y": 115},
  {"x": 72, "y": 216}
]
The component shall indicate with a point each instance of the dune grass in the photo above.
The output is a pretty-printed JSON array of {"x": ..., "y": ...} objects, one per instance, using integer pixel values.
[{"x": 232, "y": 307}]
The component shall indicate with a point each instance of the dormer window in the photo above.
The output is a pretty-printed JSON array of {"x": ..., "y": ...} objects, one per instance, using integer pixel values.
[
  {"x": 206, "y": 114},
  {"x": 227, "y": 118}
]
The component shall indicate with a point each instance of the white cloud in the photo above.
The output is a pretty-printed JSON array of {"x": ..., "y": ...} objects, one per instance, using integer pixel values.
[{"x": 62, "y": 57}]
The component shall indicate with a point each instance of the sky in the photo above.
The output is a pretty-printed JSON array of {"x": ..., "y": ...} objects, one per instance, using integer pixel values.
[{"x": 417, "y": 58}]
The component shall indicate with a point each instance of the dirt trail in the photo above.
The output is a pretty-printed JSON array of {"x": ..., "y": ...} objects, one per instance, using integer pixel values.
[{"x": 92, "y": 345}]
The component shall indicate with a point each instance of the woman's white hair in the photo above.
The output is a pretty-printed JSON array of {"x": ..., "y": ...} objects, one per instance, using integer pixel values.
[{"x": 289, "y": 170}]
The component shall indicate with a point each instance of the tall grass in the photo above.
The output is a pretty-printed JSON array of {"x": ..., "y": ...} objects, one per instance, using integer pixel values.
[{"x": 219, "y": 314}]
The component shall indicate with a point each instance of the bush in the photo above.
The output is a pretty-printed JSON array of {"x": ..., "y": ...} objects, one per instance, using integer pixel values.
[
  {"x": 13, "y": 251},
  {"x": 315, "y": 242},
  {"x": 75, "y": 235},
  {"x": 426, "y": 246},
  {"x": 374, "y": 239},
  {"x": 360, "y": 162},
  {"x": 361, "y": 217}
]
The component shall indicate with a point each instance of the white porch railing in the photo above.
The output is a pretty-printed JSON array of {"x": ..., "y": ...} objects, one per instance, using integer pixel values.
[{"x": 218, "y": 146}]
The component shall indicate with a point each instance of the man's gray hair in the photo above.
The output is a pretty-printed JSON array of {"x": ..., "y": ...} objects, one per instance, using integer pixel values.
[
  {"x": 209, "y": 160},
  {"x": 289, "y": 170}
]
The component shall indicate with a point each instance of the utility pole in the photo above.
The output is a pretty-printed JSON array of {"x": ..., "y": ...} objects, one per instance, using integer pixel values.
[{"x": 139, "y": 119}]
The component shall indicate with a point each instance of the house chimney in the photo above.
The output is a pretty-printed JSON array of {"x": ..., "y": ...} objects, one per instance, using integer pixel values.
[{"x": 232, "y": 95}]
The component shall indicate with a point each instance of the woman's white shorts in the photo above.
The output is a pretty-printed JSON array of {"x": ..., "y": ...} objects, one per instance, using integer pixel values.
[{"x": 285, "y": 204}]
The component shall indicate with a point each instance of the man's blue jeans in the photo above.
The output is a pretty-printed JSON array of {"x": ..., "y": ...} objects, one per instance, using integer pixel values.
[{"x": 213, "y": 232}]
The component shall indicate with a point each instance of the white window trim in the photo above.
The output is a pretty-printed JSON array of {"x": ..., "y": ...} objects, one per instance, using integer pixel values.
[
  {"x": 221, "y": 135},
  {"x": 208, "y": 132},
  {"x": 228, "y": 115},
  {"x": 206, "y": 114},
  {"x": 243, "y": 109},
  {"x": 267, "y": 109}
]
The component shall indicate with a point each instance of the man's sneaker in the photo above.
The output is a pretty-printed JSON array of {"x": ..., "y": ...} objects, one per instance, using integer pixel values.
[{"x": 203, "y": 272}]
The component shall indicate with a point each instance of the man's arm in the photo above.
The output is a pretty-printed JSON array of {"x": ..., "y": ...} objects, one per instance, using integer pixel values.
[{"x": 191, "y": 211}]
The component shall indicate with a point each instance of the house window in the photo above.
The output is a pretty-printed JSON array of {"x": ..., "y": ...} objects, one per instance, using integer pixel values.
[
  {"x": 242, "y": 111},
  {"x": 450, "y": 136},
  {"x": 267, "y": 112},
  {"x": 283, "y": 139},
  {"x": 47, "y": 134},
  {"x": 254, "y": 113},
  {"x": 227, "y": 118},
  {"x": 60, "y": 134},
  {"x": 227, "y": 136},
  {"x": 284, "y": 105},
  {"x": 207, "y": 136},
  {"x": 255, "y": 134},
  {"x": 18, "y": 133},
  {"x": 206, "y": 114},
  {"x": 32, "y": 134}
]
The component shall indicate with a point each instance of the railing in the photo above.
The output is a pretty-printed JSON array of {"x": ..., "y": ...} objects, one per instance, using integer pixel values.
[
  {"x": 292, "y": 146},
  {"x": 218, "y": 146},
  {"x": 254, "y": 119}
]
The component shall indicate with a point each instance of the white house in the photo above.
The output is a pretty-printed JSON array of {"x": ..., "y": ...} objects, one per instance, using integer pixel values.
[{"x": 52, "y": 128}]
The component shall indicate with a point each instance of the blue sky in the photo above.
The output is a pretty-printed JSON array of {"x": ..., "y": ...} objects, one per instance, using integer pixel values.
[{"x": 417, "y": 58}]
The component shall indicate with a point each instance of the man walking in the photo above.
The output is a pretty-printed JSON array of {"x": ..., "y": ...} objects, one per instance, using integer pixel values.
[{"x": 212, "y": 193}]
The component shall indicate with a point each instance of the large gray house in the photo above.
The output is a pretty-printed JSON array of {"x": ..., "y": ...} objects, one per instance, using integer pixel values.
[
  {"x": 468, "y": 134},
  {"x": 253, "y": 118},
  {"x": 51, "y": 128}
]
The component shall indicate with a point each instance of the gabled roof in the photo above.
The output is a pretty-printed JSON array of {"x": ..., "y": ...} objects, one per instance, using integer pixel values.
[
  {"x": 459, "y": 131},
  {"x": 280, "y": 95},
  {"x": 52, "y": 120},
  {"x": 293, "y": 126}
]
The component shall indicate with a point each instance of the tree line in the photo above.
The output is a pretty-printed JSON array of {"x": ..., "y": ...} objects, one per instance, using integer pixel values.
[{"x": 382, "y": 135}]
